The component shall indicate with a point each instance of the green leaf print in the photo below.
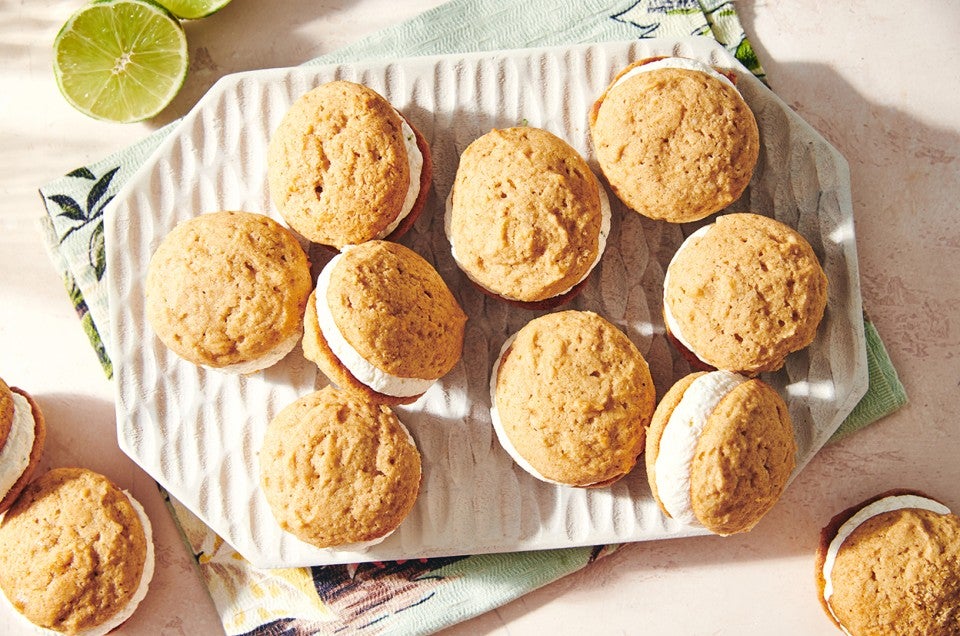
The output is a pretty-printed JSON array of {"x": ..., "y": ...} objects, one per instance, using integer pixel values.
[
  {"x": 86, "y": 321},
  {"x": 747, "y": 56},
  {"x": 97, "y": 199},
  {"x": 70, "y": 208},
  {"x": 97, "y": 252},
  {"x": 97, "y": 192},
  {"x": 82, "y": 173}
]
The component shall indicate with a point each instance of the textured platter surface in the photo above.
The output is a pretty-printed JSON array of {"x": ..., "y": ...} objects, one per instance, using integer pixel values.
[{"x": 197, "y": 432}]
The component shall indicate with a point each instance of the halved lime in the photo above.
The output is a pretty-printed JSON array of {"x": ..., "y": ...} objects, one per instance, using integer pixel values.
[
  {"x": 120, "y": 60},
  {"x": 193, "y": 9}
]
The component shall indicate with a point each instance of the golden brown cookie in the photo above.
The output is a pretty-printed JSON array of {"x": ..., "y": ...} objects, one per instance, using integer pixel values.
[
  {"x": 572, "y": 397},
  {"x": 675, "y": 139},
  {"x": 527, "y": 220},
  {"x": 345, "y": 167},
  {"x": 743, "y": 293},
  {"x": 891, "y": 565},
  {"x": 719, "y": 451},
  {"x": 383, "y": 323},
  {"x": 339, "y": 470},
  {"x": 6, "y": 411},
  {"x": 76, "y": 552},
  {"x": 23, "y": 432},
  {"x": 227, "y": 290}
]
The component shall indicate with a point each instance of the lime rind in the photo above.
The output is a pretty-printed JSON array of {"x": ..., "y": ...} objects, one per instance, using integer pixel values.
[
  {"x": 121, "y": 60},
  {"x": 193, "y": 9}
]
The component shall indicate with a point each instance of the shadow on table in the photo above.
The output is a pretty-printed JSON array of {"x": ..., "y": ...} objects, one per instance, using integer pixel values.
[
  {"x": 245, "y": 35},
  {"x": 81, "y": 432},
  {"x": 904, "y": 186},
  {"x": 904, "y": 190}
]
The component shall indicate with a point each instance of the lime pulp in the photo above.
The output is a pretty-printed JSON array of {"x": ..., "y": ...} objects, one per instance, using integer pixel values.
[{"x": 121, "y": 60}]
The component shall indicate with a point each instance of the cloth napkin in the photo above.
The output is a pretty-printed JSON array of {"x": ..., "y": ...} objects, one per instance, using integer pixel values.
[{"x": 422, "y": 595}]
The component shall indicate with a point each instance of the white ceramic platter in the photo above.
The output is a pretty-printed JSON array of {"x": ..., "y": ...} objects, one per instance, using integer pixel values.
[{"x": 197, "y": 432}]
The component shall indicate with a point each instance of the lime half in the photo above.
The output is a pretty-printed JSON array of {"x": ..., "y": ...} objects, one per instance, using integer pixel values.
[
  {"x": 120, "y": 60},
  {"x": 193, "y": 9}
]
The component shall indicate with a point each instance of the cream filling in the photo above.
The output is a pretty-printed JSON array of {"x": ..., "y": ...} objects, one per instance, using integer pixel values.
[
  {"x": 362, "y": 369},
  {"x": 684, "y": 63},
  {"x": 601, "y": 238},
  {"x": 130, "y": 607},
  {"x": 415, "y": 161},
  {"x": 668, "y": 318},
  {"x": 502, "y": 436},
  {"x": 265, "y": 361},
  {"x": 678, "y": 444},
  {"x": 887, "y": 504},
  {"x": 362, "y": 546},
  {"x": 15, "y": 454}
]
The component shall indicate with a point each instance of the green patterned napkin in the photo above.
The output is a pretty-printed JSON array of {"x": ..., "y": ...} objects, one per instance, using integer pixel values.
[{"x": 424, "y": 595}]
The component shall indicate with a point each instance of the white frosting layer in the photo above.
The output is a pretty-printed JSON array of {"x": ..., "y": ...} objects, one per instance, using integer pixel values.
[
  {"x": 15, "y": 454},
  {"x": 415, "y": 161},
  {"x": 265, "y": 361},
  {"x": 363, "y": 370},
  {"x": 141, "y": 593},
  {"x": 887, "y": 504},
  {"x": 502, "y": 436},
  {"x": 674, "y": 62},
  {"x": 667, "y": 314},
  {"x": 362, "y": 546},
  {"x": 605, "y": 216},
  {"x": 678, "y": 444},
  {"x": 601, "y": 239}
]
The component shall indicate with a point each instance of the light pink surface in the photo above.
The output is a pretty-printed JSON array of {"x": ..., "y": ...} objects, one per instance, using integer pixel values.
[{"x": 879, "y": 83}]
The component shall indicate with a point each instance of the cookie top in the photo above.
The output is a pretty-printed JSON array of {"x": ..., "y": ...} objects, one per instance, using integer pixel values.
[
  {"x": 719, "y": 451},
  {"x": 227, "y": 290},
  {"x": 6, "y": 411},
  {"x": 338, "y": 470},
  {"x": 73, "y": 551},
  {"x": 20, "y": 453},
  {"x": 388, "y": 316},
  {"x": 571, "y": 398},
  {"x": 891, "y": 565},
  {"x": 675, "y": 139},
  {"x": 744, "y": 292},
  {"x": 343, "y": 163},
  {"x": 527, "y": 219}
]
